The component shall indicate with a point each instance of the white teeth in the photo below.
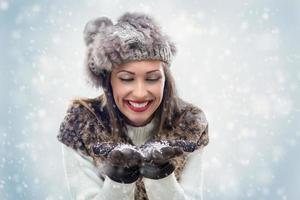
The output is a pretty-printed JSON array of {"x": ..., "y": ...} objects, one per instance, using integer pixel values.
[{"x": 138, "y": 105}]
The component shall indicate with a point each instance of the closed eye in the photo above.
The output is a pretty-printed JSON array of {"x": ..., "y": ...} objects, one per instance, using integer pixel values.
[
  {"x": 126, "y": 79},
  {"x": 153, "y": 79},
  {"x": 131, "y": 79}
]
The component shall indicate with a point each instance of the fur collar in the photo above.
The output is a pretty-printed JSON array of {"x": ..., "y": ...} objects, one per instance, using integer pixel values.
[{"x": 80, "y": 128}]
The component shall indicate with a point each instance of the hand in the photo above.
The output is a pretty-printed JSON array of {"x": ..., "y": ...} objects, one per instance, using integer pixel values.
[
  {"x": 160, "y": 152},
  {"x": 118, "y": 154},
  {"x": 185, "y": 145},
  {"x": 156, "y": 157},
  {"x": 121, "y": 161},
  {"x": 125, "y": 155},
  {"x": 103, "y": 149}
]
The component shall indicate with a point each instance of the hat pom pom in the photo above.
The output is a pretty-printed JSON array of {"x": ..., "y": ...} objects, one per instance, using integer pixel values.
[{"x": 95, "y": 26}]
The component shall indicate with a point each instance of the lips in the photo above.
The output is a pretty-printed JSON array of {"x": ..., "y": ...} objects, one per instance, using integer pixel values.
[{"x": 138, "y": 106}]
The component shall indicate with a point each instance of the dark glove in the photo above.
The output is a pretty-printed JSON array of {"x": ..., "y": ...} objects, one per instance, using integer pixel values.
[
  {"x": 186, "y": 146},
  {"x": 156, "y": 159},
  {"x": 103, "y": 149},
  {"x": 122, "y": 161}
]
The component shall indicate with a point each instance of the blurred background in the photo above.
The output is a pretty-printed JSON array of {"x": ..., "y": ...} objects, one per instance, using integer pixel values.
[{"x": 238, "y": 60}]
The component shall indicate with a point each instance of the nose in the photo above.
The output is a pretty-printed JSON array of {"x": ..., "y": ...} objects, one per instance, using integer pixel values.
[{"x": 140, "y": 90}]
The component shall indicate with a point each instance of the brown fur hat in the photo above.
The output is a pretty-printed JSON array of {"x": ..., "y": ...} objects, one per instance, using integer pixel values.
[{"x": 135, "y": 36}]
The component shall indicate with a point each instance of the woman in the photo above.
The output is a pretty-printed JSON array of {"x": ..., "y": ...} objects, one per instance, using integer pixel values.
[{"x": 138, "y": 140}]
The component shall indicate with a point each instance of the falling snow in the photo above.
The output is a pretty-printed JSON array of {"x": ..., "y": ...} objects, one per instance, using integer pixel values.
[{"x": 238, "y": 62}]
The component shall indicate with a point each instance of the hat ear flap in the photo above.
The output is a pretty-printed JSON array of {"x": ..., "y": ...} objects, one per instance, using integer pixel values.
[
  {"x": 95, "y": 26},
  {"x": 91, "y": 70},
  {"x": 94, "y": 32}
]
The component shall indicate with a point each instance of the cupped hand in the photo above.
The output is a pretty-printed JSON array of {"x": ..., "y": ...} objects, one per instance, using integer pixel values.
[
  {"x": 159, "y": 152},
  {"x": 185, "y": 145},
  {"x": 125, "y": 155}
]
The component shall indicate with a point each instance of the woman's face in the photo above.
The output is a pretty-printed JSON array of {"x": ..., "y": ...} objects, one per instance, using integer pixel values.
[{"x": 138, "y": 89}]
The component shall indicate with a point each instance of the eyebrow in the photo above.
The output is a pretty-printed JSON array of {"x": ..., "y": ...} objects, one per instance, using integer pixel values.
[{"x": 133, "y": 72}]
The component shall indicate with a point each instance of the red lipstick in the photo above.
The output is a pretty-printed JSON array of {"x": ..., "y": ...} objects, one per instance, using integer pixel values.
[{"x": 136, "y": 109}]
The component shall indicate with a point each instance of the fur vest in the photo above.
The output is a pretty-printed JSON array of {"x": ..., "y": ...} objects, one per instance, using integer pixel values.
[{"x": 86, "y": 124}]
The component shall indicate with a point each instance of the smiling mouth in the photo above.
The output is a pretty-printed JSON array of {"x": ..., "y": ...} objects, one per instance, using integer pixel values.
[{"x": 138, "y": 107}]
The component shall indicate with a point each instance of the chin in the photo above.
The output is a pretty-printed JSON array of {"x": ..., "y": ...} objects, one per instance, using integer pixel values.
[{"x": 138, "y": 121}]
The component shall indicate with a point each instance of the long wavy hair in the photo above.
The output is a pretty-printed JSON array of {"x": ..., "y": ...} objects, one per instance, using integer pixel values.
[{"x": 165, "y": 112}]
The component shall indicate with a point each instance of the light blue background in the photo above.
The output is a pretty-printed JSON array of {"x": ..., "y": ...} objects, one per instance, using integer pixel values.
[{"x": 237, "y": 60}]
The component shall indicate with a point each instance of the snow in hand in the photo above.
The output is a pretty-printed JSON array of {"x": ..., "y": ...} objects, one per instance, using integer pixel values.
[
  {"x": 153, "y": 146},
  {"x": 124, "y": 146}
]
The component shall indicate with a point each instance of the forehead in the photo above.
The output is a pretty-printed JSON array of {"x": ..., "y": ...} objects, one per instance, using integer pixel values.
[{"x": 138, "y": 67}]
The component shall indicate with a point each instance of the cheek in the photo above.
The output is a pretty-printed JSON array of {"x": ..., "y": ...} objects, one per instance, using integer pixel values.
[
  {"x": 159, "y": 90},
  {"x": 121, "y": 91},
  {"x": 117, "y": 90}
]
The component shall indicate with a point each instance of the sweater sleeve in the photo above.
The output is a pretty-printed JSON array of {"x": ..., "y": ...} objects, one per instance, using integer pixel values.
[
  {"x": 84, "y": 182},
  {"x": 189, "y": 187}
]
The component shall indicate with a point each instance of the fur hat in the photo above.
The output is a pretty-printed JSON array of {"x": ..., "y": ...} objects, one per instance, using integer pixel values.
[{"x": 135, "y": 36}]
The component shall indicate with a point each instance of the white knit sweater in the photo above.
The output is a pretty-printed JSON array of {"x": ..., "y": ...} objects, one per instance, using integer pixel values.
[{"x": 84, "y": 183}]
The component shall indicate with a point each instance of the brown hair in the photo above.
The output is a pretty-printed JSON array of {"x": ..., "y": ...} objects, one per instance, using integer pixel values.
[{"x": 165, "y": 112}]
